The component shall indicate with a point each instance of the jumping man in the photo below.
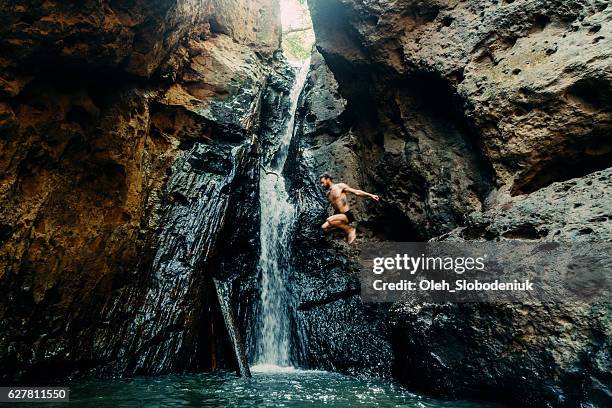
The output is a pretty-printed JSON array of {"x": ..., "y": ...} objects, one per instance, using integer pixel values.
[{"x": 343, "y": 216}]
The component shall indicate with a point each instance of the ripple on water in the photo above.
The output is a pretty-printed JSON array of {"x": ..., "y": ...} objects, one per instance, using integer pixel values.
[{"x": 271, "y": 386}]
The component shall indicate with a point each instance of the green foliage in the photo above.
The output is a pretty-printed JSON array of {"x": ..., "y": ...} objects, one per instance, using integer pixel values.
[
  {"x": 296, "y": 46},
  {"x": 298, "y": 36}
]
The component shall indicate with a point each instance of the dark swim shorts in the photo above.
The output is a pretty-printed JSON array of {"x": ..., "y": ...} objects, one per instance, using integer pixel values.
[{"x": 350, "y": 216}]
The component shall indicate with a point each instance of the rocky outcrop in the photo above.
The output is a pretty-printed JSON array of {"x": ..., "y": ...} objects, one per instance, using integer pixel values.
[
  {"x": 577, "y": 210},
  {"x": 127, "y": 129},
  {"x": 136, "y": 36},
  {"x": 558, "y": 354},
  {"x": 472, "y": 120}
]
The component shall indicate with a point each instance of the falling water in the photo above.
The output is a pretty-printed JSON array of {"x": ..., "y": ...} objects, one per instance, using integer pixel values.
[{"x": 277, "y": 215}]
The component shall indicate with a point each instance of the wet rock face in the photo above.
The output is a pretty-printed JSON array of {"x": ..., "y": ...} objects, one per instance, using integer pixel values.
[
  {"x": 490, "y": 117},
  {"x": 177, "y": 326},
  {"x": 336, "y": 330},
  {"x": 557, "y": 354},
  {"x": 105, "y": 108},
  {"x": 525, "y": 355}
]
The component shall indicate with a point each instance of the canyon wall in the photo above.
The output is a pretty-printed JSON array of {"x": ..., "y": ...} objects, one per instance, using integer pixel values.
[
  {"x": 472, "y": 120},
  {"x": 127, "y": 134},
  {"x": 131, "y": 130}
]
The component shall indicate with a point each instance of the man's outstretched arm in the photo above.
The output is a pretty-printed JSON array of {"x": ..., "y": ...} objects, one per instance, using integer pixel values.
[{"x": 359, "y": 193}]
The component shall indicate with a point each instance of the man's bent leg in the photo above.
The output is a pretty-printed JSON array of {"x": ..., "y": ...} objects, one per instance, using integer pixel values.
[{"x": 340, "y": 221}]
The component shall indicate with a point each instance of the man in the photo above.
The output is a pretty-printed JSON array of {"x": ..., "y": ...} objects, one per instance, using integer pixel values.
[{"x": 343, "y": 216}]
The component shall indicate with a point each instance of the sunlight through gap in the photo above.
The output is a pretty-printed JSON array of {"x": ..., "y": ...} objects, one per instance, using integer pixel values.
[{"x": 298, "y": 35}]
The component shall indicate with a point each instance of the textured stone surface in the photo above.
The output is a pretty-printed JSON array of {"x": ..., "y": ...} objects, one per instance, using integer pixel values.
[
  {"x": 460, "y": 98},
  {"x": 577, "y": 210},
  {"x": 489, "y": 116},
  {"x": 558, "y": 354},
  {"x": 337, "y": 331},
  {"x": 97, "y": 102},
  {"x": 524, "y": 355},
  {"x": 135, "y": 35}
]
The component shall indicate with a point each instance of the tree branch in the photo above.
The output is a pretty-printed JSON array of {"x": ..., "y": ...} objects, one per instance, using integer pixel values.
[{"x": 296, "y": 30}]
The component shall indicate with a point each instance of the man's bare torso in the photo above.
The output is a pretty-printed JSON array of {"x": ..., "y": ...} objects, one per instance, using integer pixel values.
[
  {"x": 337, "y": 198},
  {"x": 336, "y": 194}
]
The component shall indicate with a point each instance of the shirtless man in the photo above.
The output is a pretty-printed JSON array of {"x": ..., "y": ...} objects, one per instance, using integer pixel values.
[{"x": 343, "y": 216}]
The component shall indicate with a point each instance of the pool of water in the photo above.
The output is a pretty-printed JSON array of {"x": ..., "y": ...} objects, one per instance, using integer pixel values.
[{"x": 269, "y": 387}]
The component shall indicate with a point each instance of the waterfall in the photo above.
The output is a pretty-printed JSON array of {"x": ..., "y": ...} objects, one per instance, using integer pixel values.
[{"x": 277, "y": 216}]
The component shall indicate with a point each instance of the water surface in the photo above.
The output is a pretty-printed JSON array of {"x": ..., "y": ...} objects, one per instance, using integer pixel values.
[{"x": 267, "y": 388}]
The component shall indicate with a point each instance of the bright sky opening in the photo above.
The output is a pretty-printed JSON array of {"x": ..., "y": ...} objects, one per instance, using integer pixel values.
[{"x": 298, "y": 36}]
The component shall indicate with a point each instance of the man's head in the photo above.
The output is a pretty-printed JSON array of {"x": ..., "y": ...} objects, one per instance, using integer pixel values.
[{"x": 325, "y": 180}]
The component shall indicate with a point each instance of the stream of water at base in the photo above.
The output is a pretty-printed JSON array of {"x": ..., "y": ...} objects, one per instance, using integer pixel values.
[{"x": 288, "y": 388}]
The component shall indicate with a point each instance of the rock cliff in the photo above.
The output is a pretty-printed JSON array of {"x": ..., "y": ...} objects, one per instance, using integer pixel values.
[
  {"x": 127, "y": 128},
  {"x": 472, "y": 120},
  {"x": 515, "y": 94},
  {"x": 556, "y": 353}
]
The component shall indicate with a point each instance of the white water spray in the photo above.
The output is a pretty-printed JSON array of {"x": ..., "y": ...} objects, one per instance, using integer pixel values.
[{"x": 277, "y": 216}]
